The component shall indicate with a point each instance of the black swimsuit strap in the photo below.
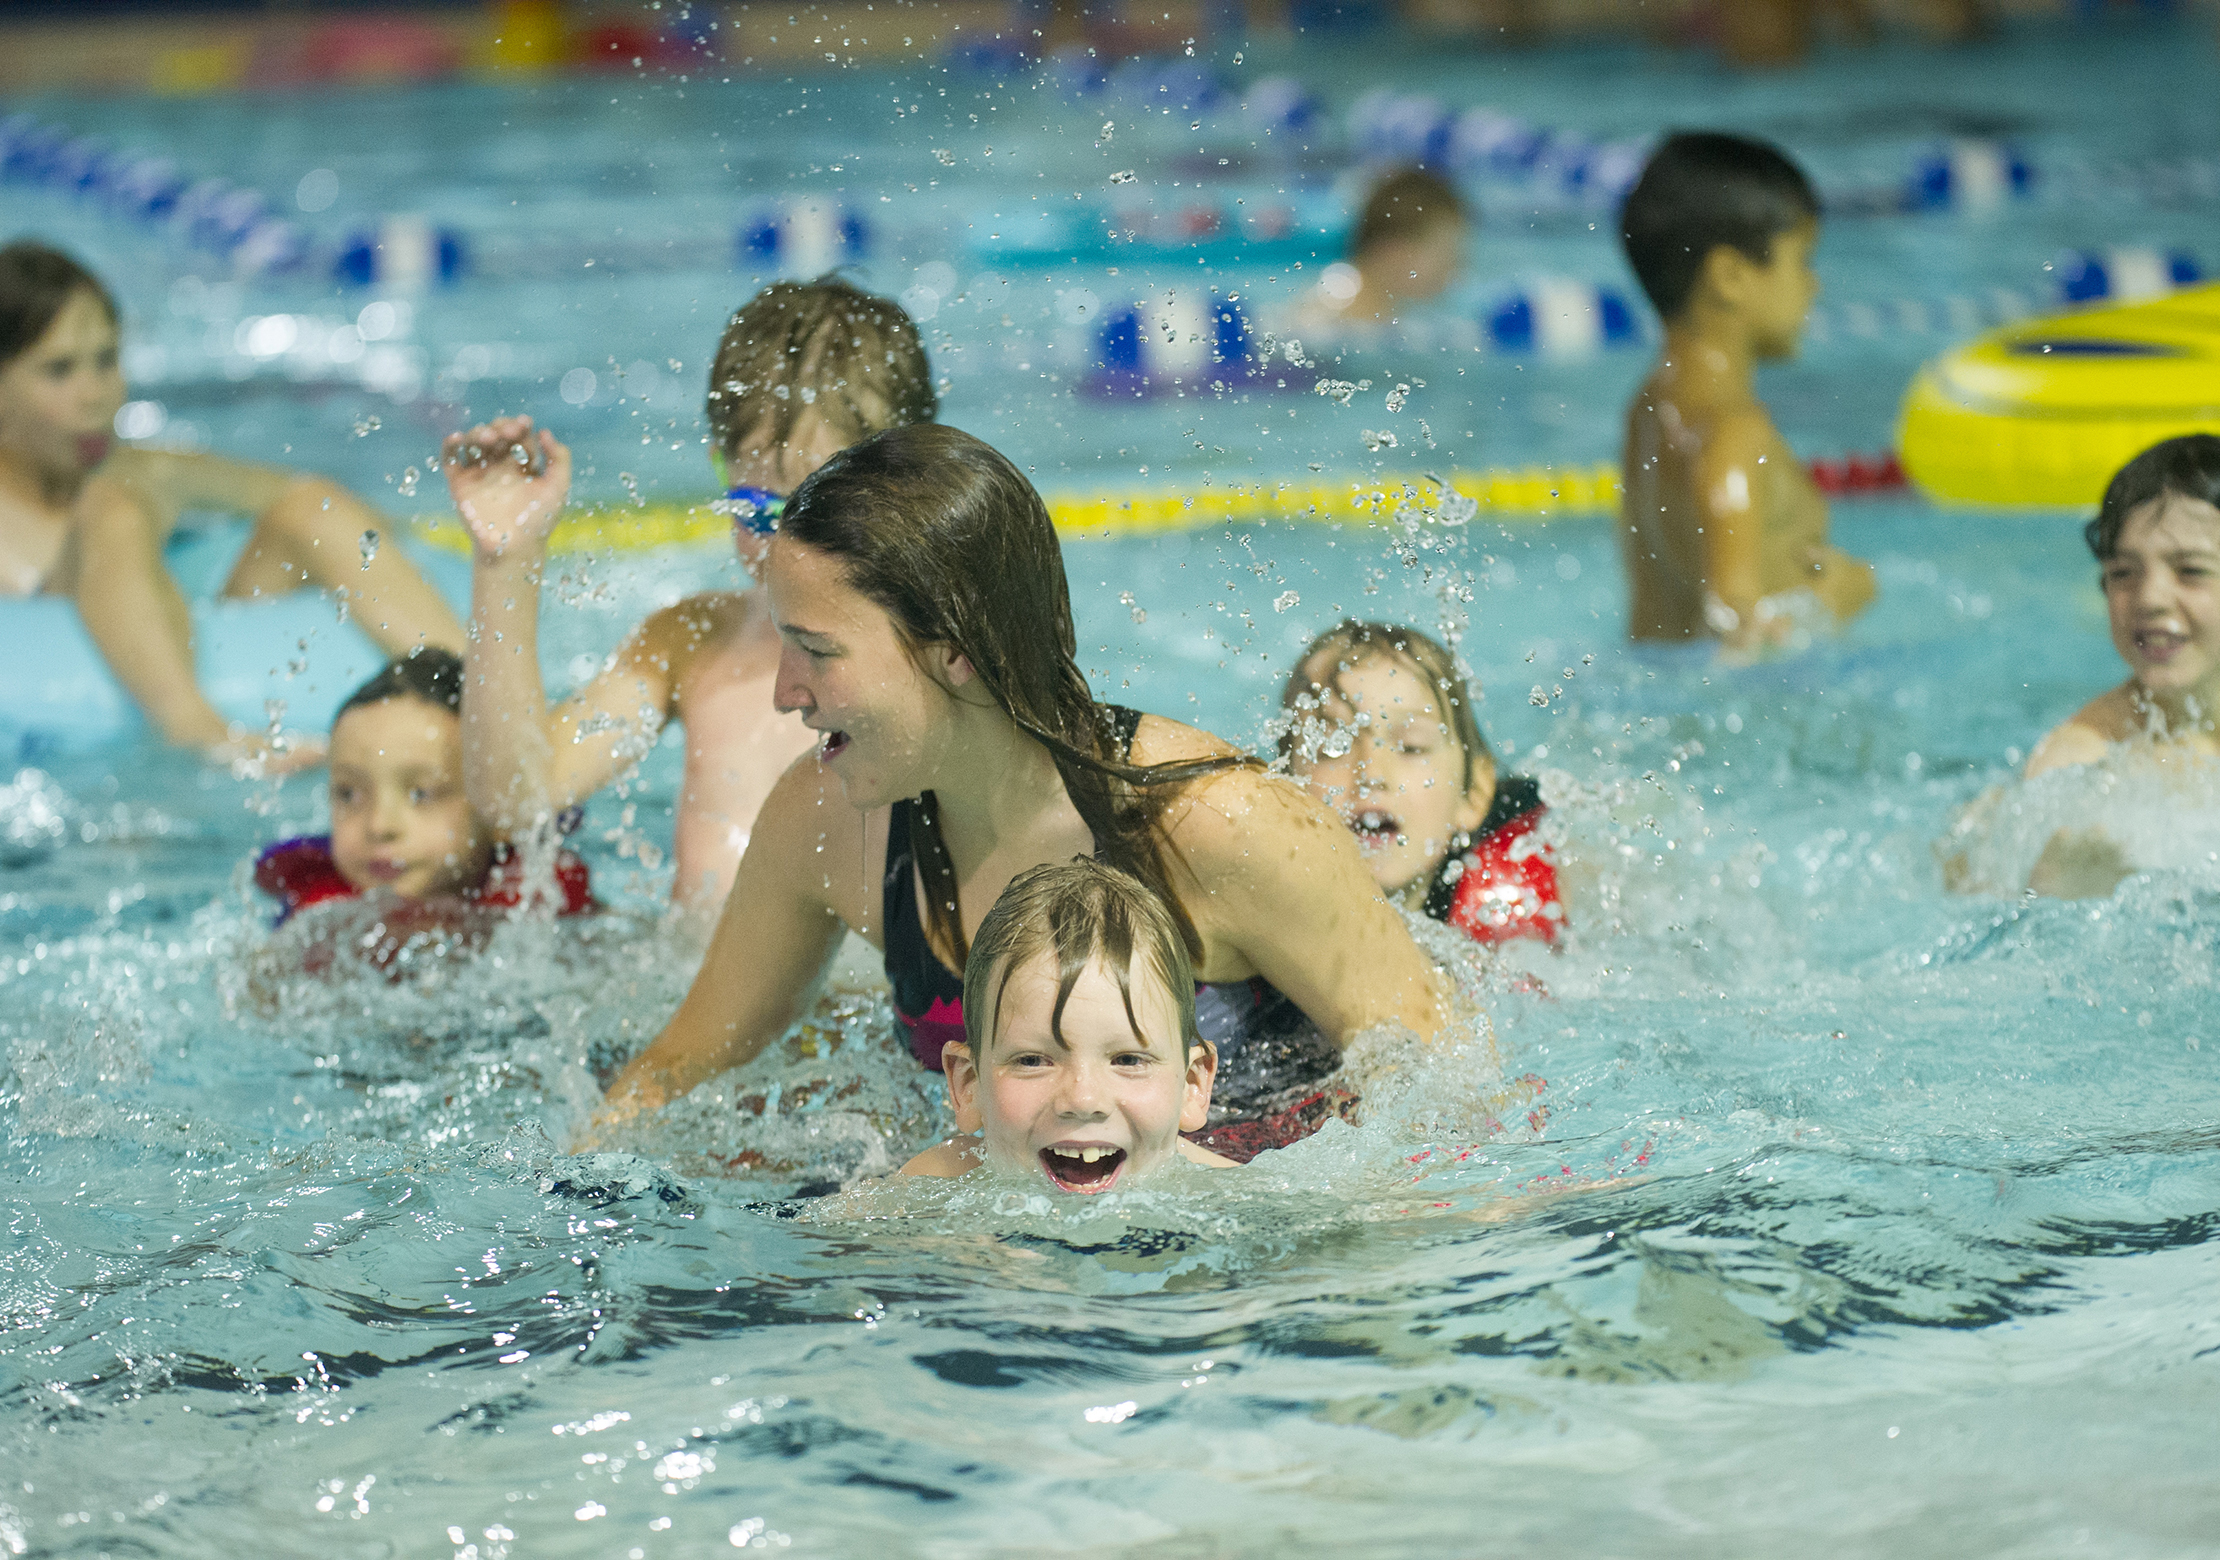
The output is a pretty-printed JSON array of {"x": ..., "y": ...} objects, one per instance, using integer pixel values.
[{"x": 912, "y": 968}]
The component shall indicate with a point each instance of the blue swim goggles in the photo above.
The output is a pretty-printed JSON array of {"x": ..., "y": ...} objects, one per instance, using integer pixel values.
[{"x": 753, "y": 509}]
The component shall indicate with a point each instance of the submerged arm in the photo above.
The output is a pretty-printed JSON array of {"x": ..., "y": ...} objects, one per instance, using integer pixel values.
[{"x": 777, "y": 930}]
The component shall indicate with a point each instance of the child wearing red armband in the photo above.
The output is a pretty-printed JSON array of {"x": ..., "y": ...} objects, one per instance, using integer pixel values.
[
  {"x": 400, "y": 823},
  {"x": 1382, "y": 729}
]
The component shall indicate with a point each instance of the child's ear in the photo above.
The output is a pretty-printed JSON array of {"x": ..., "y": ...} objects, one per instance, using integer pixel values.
[
  {"x": 1202, "y": 1072},
  {"x": 963, "y": 1085},
  {"x": 1728, "y": 274}
]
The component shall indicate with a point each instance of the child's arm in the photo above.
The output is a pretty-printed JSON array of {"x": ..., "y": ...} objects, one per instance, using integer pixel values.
[
  {"x": 1736, "y": 498},
  {"x": 138, "y": 619},
  {"x": 308, "y": 529},
  {"x": 1730, "y": 499},
  {"x": 1843, "y": 584},
  {"x": 523, "y": 762}
]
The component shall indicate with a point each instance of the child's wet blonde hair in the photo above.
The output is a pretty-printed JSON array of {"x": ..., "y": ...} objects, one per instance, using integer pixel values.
[
  {"x": 1082, "y": 912},
  {"x": 818, "y": 349},
  {"x": 1351, "y": 642}
]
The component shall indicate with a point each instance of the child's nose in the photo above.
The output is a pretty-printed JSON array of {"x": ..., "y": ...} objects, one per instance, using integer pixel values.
[{"x": 1082, "y": 1093}]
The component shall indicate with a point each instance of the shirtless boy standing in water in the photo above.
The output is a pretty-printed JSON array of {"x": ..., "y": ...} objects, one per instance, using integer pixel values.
[
  {"x": 1723, "y": 532},
  {"x": 803, "y": 371}
]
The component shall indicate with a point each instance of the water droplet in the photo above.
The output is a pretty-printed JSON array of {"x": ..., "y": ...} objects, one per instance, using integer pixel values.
[
  {"x": 409, "y": 479},
  {"x": 369, "y": 547},
  {"x": 1124, "y": 176},
  {"x": 1284, "y": 600},
  {"x": 366, "y": 426}
]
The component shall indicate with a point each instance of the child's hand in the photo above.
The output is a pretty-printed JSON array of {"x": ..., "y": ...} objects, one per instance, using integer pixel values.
[
  {"x": 264, "y": 757},
  {"x": 508, "y": 485}
]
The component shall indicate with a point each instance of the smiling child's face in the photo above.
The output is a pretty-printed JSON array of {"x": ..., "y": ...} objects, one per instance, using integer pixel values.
[
  {"x": 1099, "y": 1106},
  {"x": 2162, "y": 592},
  {"x": 1400, "y": 786},
  {"x": 399, "y": 819}
]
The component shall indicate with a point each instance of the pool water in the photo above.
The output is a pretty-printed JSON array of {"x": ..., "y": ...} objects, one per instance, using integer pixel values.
[{"x": 1849, "y": 1214}]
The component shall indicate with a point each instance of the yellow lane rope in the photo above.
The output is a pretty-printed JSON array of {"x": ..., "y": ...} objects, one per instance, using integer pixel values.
[{"x": 1529, "y": 494}]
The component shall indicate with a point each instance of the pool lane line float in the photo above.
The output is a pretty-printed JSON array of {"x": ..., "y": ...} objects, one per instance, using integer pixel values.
[
  {"x": 1529, "y": 493},
  {"x": 2123, "y": 274},
  {"x": 1203, "y": 229},
  {"x": 1518, "y": 494},
  {"x": 2044, "y": 411},
  {"x": 1178, "y": 340},
  {"x": 212, "y": 215}
]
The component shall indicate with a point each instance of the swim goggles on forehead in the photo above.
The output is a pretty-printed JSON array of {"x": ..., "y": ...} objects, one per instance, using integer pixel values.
[{"x": 753, "y": 509}]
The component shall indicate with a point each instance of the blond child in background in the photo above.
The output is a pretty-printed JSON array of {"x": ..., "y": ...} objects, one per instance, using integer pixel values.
[
  {"x": 803, "y": 371},
  {"x": 1382, "y": 728}
]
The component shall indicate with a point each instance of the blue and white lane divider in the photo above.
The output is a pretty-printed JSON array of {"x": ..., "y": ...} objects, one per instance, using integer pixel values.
[
  {"x": 2126, "y": 274},
  {"x": 797, "y": 236}
]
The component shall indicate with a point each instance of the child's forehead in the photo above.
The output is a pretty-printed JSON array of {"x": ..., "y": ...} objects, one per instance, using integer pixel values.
[
  {"x": 2172, "y": 522},
  {"x": 400, "y": 723},
  {"x": 1094, "y": 1011},
  {"x": 1373, "y": 678}
]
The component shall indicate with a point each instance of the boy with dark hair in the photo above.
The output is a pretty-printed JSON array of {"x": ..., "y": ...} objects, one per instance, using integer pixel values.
[
  {"x": 804, "y": 370},
  {"x": 1723, "y": 532}
]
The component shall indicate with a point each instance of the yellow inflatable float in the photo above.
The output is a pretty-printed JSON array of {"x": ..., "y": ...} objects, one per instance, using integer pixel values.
[
  {"x": 1532, "y": 493},
  {"x": 2043, "y": 412}
]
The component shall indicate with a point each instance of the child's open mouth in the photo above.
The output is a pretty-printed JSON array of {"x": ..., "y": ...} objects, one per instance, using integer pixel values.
[
  {"x": 1092, "y": 1167},
  {"x": 831, "y": 745},
  {"x": 2159, "y": 645},
  {"x": 1378, "y": 830}
]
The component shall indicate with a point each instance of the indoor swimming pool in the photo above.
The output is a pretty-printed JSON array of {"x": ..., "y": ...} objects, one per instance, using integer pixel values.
[{"x": 1835, "y": 1210}]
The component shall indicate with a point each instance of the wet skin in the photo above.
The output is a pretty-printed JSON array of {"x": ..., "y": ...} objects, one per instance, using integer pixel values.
[
  {"x": 399, "y": 818},
  {"x": 1401, "y": 785},
  {"x": 1085, "y": 1106}
]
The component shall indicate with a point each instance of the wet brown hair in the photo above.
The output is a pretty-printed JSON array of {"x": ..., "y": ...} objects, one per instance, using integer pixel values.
[
  {"x": 1352, "y": 642},
  {"x": 944, "y": 534},
  {"x": 2189, "y": 465},
  {"x": 35, "y": 282},
  {"x": 822, "y": 349},
  {"x": 1080, "y": 911},
  {"x": 427, "y": 674},
  {"x": 1404, "y": 204}
]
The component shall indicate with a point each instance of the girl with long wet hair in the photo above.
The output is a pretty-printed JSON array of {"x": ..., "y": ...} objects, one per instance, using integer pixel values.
[{"x": 926, "y": 634}]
